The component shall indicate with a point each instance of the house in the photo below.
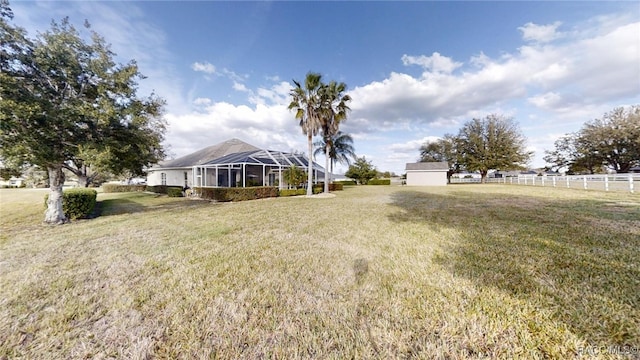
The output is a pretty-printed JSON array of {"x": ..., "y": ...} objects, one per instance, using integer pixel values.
[
  {"x": 427, "y": 173},
  {"x": 232, "y": 163},
  {"x": 13, "y": 182}
]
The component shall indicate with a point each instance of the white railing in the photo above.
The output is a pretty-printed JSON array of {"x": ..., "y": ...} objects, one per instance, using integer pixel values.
[{"x": 612, "y": 182}]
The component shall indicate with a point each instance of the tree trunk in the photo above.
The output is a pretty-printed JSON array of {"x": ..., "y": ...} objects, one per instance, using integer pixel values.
[
  {"x": 54, "y": 213},
  {"x": 326, "y": 168},
  {"x": 310, "y": 167},
  {"x": 483, "y": 176},
  {"x": 83, "y": 181}
]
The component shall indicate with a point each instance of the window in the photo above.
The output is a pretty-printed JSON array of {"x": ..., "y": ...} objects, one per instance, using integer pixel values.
[{"x": 163, "y": 178}]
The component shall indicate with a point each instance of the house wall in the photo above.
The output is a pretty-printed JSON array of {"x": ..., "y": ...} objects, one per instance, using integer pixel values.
[
  {"x": 174, "y": 177},
  {"x": 427, "y": 178}
]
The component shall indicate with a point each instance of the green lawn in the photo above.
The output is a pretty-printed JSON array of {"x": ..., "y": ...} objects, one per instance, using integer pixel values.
[{"x": 466, "y": 271}]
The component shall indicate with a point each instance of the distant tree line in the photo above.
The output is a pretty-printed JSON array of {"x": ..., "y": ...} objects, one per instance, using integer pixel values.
[{"x": 611, "y": 142}]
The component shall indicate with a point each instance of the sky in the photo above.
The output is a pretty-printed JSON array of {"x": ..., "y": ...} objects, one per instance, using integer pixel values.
[{"x": 415, "y": 70}]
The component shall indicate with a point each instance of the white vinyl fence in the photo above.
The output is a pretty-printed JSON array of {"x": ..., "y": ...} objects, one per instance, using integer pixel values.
[{"x": 613, "y": 182}]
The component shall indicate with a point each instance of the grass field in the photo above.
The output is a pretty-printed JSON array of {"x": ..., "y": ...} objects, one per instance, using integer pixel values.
[{"x": 466, "y": 271}]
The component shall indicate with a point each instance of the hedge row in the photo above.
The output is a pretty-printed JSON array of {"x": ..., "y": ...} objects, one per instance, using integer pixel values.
[
  {"x": 77, "y": 203},
  {"x": 174, "y": 192},
  {"x": 379, "y": 182},
  {"x": 292, "y": 192},
  {"x": 346, "y": 182},
  {"x": 117, "y": 188},
  {"x": 332, "y": 187},
  {"x": 236, "y": 194},
  {"x": 162, "y": 189}
]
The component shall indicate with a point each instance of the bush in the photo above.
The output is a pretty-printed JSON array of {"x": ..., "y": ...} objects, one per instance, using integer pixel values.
[
  {"x": 236, "y": 194},
  {"x": 161, "y": 189},
  {"x": 173, "y": 192},
  {"x": 118, "y": 188},
  {"x": 346, "y": 182},
  {"x": 332, "y": 187},
  {"x": 77, "y": 203},
  {"x": 292, "y": 192},
  {"x": 379, "y": 182}
]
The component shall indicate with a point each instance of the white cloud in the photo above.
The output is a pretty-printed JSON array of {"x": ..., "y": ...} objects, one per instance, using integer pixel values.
[
  {"x": 540, "y": 33},
  {"x": 435, "y": 63},
  {"x": 204, "y": 67},
  {"x": 240, "y": 87},
  {"x": 202, "y": 101}
]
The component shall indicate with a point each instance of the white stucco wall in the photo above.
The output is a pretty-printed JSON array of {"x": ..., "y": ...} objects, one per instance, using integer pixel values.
[
  {"x": 175, "y": 177},
  {"x": 426, "y": 178}
]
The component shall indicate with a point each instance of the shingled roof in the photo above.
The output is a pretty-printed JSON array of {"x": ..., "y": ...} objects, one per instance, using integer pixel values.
[
  {"x": 428, "y": 166},
  {"x": 209, "y": 154}
]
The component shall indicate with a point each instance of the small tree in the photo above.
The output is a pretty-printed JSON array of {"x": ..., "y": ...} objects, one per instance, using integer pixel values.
[
  {"x": 362, "y": 171},
  {"x": 494, "y": 142},
  {"x": 65, "y": 104},
  {"x": 294, "y": 176}
]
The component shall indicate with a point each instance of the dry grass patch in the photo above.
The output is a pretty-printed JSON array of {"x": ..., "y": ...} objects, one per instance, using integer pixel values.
[{"x": 376, "y": 272}]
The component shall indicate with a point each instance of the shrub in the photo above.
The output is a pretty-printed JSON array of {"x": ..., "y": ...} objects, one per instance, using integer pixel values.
[
  {"x": 117, "y": 188},
  {"x": 77, "y": 203},
  {"x": 161, "y": 189},
  {"x": 346, "y": 182},
  {"x": 292, "y": 192},
  {"x": 379, "y": 182},
  {"x": 173, "y": 192},
  {"x": 236, "y": 194},
  {"x": 332, "y": 187}
]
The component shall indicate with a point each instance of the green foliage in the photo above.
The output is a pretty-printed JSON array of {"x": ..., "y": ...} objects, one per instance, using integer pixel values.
[
  {"x": 161, "y": 189},
  {"x": 65, "y": 103},
  {"x": 174, "y": 192},
  {"x": 317, "y": 189},
  {"x": 292, "y": 192},
  {"x": 118, "y": 188},
  {"x": 379, "y": 182},
  {"x": 77, "y": 203},
  {"x": 362, "y": 171},
  {"x": 346, "y": 182},
  {"x": 612, "y": 141},
  {"x": 493, "y": 142},
  {"x": 341, "y": 148},
  {"x": 294, "y": 176},
  {"x": 236, "y": 194},
  {"x": 332, "y": 187}
]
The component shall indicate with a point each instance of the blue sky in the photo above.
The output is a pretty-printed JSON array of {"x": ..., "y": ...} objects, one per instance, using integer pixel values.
[{"x": 415, "y": 70}]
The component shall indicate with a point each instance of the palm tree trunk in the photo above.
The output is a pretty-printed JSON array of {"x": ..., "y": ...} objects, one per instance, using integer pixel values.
[
  {"x": 310, "y": 167},
  {"x": 326, "y": 168}
]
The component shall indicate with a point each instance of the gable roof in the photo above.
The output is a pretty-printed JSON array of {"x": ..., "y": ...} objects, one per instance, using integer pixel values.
[
  {"x": 209, "y": 154},
  {"x": 428, "y": 166}
]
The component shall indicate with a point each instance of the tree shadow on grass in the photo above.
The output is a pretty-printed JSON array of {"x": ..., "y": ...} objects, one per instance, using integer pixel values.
[
  {"x": 109, "y": 207},
  {"x": 577, "y": 259}
]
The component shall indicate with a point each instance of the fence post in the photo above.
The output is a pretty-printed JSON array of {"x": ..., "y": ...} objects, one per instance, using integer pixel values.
[
  {"x": 542, "y": 179},
  {"x": 567, "y": 178},
  {"x": 533, "y": 181},
  {"x": 511, "y": 180},
  {"x": 630, "y": 182},
  {"x": 606, "y": 183},
  {"x": 554, "y": 181},
  {"x": 584, "y": 182}
]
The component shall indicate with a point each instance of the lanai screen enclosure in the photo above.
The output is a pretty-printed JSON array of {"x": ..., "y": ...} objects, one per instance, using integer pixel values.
[{"x": 250, "y": 168}]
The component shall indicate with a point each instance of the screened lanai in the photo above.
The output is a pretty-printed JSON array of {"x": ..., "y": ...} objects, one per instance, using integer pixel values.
[{"x": 251, "y": 168}]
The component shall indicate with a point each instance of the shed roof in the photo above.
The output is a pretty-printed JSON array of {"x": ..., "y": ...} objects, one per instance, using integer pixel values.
[{"x": 428, "y": 166}]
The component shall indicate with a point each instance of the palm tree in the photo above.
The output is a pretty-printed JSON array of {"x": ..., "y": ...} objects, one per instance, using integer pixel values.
[
  {"x": 334, "y": 109},
  {"x": 341, "y": 149},
  {"x": 307, "y": 104}
]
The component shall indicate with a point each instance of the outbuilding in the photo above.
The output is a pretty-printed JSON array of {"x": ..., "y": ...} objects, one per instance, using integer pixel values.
[{"x": 427, "y": 173}]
